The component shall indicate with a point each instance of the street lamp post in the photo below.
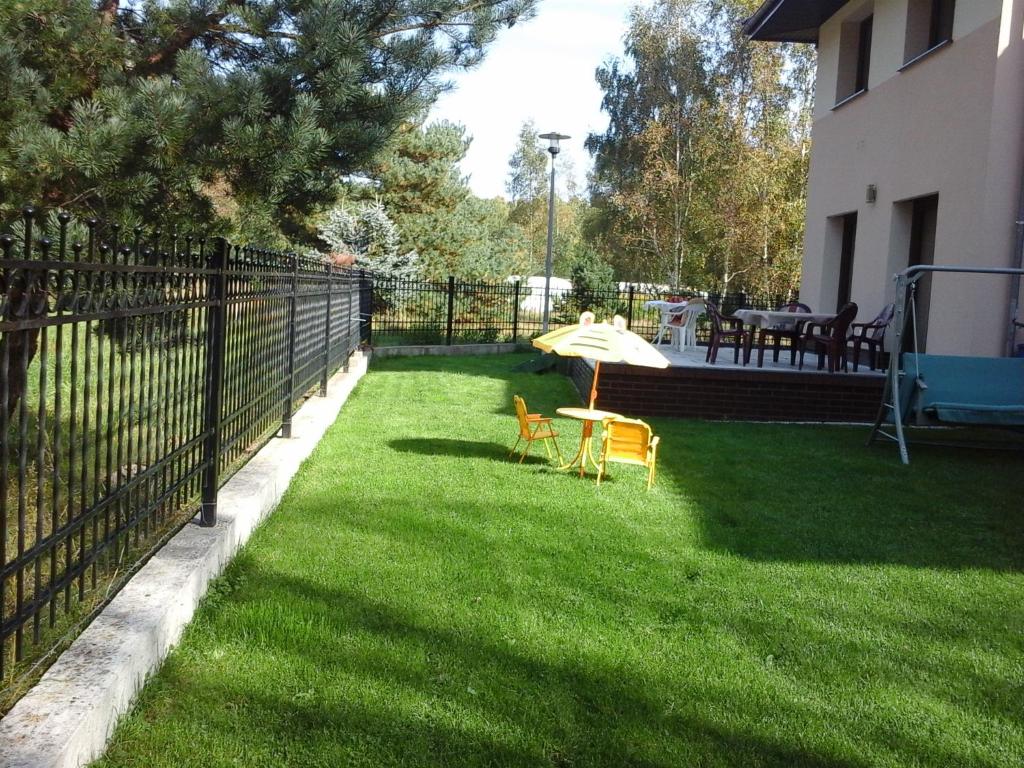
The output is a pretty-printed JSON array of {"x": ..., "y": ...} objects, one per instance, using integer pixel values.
[{"x": 552, "y": 139}]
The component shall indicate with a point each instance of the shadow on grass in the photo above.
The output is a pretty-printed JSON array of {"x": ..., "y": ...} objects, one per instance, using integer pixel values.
[
  {"x": 795, "y": 493},
  {"x": 816, "y": 493},
  {"x": 466, "y": 449},
  {"x": 491, "y": 366},
  {"x": 544, "y": 391},
  {"x": 416, "y": 708}
]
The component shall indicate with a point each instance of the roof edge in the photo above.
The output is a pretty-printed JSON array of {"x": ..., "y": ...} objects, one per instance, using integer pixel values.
[
  {"x": 758, "y": 18},
  {"x": 790, "y": 21}
]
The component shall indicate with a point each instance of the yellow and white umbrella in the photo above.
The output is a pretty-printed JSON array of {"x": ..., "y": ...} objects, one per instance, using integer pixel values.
[{"x": 602, "y": 343}]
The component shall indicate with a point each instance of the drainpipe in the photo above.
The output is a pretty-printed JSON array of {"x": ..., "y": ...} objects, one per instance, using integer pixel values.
[
  {"x": 1011, "y": 332},
  {"x": 1013, "y": 322}
]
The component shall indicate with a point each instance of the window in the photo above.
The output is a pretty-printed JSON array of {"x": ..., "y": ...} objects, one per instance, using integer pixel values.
[
  {"x": 854, "y": 56},
  {"x": 929, "y": 25},
  {"x": 864, "y": 54},
  {"x": 923, "y": 220},
  {"x": 849, "y": 242}
]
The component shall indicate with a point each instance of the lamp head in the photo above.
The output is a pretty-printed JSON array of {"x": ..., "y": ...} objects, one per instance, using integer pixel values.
[{"x": 553, "y": 138}]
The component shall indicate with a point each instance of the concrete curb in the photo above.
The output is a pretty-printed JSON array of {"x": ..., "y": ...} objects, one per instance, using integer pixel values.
[{"x": 66, "y": 719}]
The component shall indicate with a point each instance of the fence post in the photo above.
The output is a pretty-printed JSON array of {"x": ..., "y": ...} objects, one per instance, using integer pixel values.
[
  {"x": 515, "y": 313},
  {"x": 216, "y": 338},
  {"x": 350, "y": 285},
  {"x": 289, "y": 395},
  {"x": 629, "y": 308},
  {"x": 327, "y": 331},
  {"x": 365, "y": 307},
  {"x": 451, "y": 309}
]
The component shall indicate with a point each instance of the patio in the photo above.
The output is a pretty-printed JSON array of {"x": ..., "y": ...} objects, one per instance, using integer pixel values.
[
  {"x": 420, "y": 600},
  {"x": 693, "y": 389},
  {"x": 693, "y": 357}
]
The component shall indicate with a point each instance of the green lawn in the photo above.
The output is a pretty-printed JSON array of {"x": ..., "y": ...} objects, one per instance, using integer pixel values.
[{"x": 784, "y": 596}]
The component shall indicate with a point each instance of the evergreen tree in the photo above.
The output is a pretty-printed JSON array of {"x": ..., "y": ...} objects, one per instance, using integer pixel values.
[
  {"x": 594, "y": 288},
  {"x": 494, "y": 246},
  {"x": 238, "y": 113},
  {"x": 418, "y": 180},
  {"x": 367, "y": 233}
]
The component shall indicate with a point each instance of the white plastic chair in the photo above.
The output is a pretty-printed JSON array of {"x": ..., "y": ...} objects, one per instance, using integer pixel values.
[{"x": 687, "y": 335}]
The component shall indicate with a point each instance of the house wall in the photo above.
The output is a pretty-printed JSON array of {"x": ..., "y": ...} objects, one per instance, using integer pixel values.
[{"x": 953, "y": 124}]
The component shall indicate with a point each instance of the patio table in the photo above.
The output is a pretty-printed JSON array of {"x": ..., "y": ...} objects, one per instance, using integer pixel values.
[
  {"x": 768, "y": 318},
  {"x": 588, "y": 416},
  {"x": 765, "y": 318}
]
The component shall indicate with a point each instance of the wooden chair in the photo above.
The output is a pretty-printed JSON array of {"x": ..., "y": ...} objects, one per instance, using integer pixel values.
[
  {"x": 628, "y": 441},
  {"x": 829, "y": 339},
  {"x": 871, "y": 335},
  {"x": 791, "y": 331},
  {"x": 723, "y": 327},
  {"x": 533, "y": 426}
]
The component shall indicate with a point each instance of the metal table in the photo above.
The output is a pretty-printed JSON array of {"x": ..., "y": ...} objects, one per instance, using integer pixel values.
[{"x": 588, "y": 416}]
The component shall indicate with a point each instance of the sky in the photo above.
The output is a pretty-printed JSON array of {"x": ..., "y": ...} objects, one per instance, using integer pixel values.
[{"x": 541, "y": 69}]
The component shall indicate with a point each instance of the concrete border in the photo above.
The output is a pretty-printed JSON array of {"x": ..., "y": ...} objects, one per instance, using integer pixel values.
[
  {"x": 66, "y": 719},
  {"x": 415, "y": 350}
]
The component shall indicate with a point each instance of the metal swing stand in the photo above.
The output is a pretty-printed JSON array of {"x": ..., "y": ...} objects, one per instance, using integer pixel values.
[{"x": 892, "y": 408}]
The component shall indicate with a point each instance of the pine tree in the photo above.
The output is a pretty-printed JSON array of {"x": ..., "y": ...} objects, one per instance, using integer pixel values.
[
  {"x": 418, "y": 180},
  {"x": 235, "y": 113}
]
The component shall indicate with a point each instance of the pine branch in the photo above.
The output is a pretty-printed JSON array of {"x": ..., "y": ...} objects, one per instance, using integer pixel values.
[
  {"x": 108, "y": 9},
  {"x": 162, "y": 61}
]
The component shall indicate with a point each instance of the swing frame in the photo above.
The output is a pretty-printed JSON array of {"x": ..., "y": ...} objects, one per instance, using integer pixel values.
[{"x": 891, "y": 406}]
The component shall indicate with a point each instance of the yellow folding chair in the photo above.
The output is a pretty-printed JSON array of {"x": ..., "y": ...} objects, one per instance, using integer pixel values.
[
  {"x": 533, "y": 426},
  {"x": 628, "y": 441}
]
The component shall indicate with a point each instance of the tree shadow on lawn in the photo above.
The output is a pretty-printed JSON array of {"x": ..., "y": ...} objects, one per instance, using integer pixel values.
[
  {"x": 543, "y": 392},
  {"x": 793, "y": 493},
  {"x": 474, "y": 449},
  {"x": 430, "y": 712},
  {"x": 817, "y": 493},
  {"x": 489, "y": 366},
  {"x": 602, "y": 568},
  {"x": 459, "y": 449}
]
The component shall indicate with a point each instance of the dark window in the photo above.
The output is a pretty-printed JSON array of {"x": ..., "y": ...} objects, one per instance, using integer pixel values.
[
  {"x": 846, "y": 259},
  {"x": 863, "y": 54},
  {"x": 855, "y": 55},
  {"x": 941, "y": 28},
  {"x": 929, "y": 25},
  {"x": 924, "y": 218}
]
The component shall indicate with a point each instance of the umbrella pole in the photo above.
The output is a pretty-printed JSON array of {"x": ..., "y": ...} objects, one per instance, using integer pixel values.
[{"x": 593, "y": 386}]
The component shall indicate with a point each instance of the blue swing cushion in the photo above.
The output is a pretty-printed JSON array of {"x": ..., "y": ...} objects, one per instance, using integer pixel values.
[{"x": 965, "y": 390}]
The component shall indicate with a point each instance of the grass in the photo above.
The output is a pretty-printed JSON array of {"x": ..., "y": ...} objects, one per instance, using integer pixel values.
[{"x": 784, "y": 596}]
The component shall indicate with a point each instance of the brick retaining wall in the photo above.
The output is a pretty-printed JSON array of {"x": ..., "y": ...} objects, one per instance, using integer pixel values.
[{"x": 733, "y": 394}]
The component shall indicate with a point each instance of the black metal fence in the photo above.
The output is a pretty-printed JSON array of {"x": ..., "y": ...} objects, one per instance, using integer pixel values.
[
  {"x": 136, "y": 373},
  {"x": 454, "y": 312}
]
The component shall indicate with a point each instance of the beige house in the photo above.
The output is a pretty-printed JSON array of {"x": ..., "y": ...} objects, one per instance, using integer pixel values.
[{"x": 918, "y": 155}]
